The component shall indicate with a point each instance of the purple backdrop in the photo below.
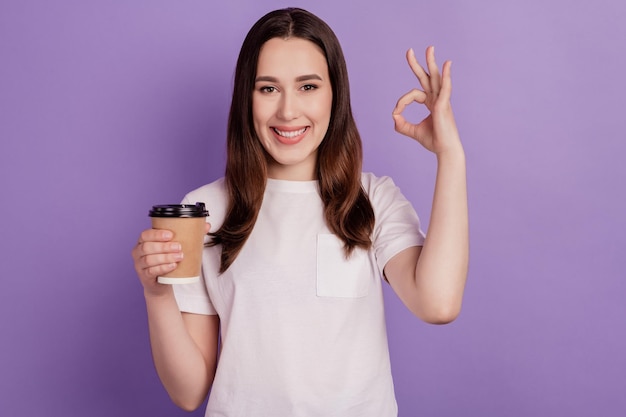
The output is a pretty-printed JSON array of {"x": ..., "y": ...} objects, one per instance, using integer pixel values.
[{"x": 109, "y": 107}]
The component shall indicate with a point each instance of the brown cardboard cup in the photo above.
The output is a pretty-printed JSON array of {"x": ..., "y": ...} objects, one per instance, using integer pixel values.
[{"x": 187, "y": 222}]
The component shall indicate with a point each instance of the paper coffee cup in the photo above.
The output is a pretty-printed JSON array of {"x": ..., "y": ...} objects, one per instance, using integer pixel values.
[{"x": 187, "y": 223}]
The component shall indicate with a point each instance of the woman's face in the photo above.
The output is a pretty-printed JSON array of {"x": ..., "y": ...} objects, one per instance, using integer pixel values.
[{"x": 291, "y": 106}]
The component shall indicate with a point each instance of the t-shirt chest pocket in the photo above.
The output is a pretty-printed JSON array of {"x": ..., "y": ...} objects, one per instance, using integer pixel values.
[{"x": 338, "y": 276}]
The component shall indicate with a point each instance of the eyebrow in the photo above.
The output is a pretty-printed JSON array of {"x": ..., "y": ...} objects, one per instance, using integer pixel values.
[{"x": 301, "y": 78}]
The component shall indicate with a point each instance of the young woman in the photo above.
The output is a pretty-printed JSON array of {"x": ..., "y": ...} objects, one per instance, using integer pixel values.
[{"x": 300, "y": 240}]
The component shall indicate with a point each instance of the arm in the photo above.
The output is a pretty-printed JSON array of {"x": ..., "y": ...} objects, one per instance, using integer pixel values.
[
  {"x": 184, "y": 346},
  {"x": 430, "y": 280}
]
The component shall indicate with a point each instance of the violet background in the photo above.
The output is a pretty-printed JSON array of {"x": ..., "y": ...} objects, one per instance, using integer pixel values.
[{"x": 108, "y": 107}]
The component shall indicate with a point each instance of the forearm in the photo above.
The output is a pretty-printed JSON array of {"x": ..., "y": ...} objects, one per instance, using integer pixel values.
[
  {"x": 178, "y": 360},
  {"x": 441, "y": 270}
]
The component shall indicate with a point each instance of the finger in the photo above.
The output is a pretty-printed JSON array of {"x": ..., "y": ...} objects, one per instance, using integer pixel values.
[
  {"x": 417, "y": 69},
  {"x": 155, "y": 260},
  {"x": 435, "y": 77},
  {"x": 156, "y": 235},
  {"x": 414, "y": 95},
  {"x": 446, "y": 82},
  {"x": 159, "y": 270},
  {"x": 401, "y": 125},
  {"x": 151, "y": 248}
]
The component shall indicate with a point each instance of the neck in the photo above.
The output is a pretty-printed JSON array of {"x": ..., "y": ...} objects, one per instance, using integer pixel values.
[{"x": 300, "y": 172}]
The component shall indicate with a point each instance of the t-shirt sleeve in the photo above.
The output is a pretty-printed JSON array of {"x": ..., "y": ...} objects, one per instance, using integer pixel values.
[
  {"x": 194, "y": 298},
  {"x": 397, "y": 225}
]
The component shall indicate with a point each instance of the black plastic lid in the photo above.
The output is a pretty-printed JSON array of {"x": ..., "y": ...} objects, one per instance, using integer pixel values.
[{"x": 179, "y": 210}]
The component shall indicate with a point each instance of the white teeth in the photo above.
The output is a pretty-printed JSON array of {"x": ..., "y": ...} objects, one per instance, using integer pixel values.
[{"x": 290, "y": 134}]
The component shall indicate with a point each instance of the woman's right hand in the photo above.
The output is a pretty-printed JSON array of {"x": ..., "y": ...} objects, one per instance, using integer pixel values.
[
  {"x": 155, "y": 254},
  {"x": 184, "y": 345}
]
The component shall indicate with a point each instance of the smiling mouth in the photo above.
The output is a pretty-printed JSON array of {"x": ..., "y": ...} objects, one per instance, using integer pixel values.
[{"x": 290, "y": 134}]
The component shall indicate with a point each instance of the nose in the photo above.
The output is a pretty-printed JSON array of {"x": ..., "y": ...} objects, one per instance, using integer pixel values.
[{"x": 288, "y": 107}]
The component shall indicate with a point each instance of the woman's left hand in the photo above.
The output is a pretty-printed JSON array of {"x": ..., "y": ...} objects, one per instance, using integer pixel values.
[
  {"x": 431, "y": 280},
  {"x": 437, "y": 132}
]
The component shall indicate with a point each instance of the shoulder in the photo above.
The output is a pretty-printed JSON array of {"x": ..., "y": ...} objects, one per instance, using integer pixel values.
[
  {"x": 216, "y": 189},
  {"x": 377, "y": 187},
  {"x": 215, "y": 198},
  {"x": 385, "y": 196},
  {"x": 397, "y": 225}
]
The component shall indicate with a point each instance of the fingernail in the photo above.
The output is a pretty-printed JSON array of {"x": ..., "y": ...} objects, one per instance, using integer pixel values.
[
  {"x": 179, "y": 256},
  {"x": 176, "y": 246},
  {"x": 167, "y": 234}
]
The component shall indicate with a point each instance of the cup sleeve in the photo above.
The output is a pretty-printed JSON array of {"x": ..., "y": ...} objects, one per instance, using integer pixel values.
[{"x": 194, "y": 298}]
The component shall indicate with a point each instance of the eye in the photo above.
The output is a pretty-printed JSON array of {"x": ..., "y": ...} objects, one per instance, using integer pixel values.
[
  {"x": 267, "y": 89},
  {"x": 309, "y": 87}
]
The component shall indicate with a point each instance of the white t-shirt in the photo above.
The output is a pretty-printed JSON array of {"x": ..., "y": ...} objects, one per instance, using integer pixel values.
[{"x": 302, "y": 328}]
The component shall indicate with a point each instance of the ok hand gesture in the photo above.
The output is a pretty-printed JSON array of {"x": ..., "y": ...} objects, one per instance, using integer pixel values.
[{"x": 437, "y": 132}]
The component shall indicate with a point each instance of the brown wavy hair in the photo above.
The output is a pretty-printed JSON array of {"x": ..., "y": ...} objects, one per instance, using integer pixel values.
[{"x": 347, "y": 209}]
